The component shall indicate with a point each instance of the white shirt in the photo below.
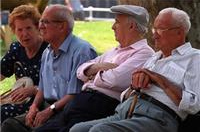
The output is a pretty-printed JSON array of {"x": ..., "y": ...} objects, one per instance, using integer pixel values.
[{"x": 182, "y": 68}]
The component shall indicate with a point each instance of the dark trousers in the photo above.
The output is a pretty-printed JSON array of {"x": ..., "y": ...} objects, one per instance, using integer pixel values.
[
  {"x": 87, "y": 105},
  {"x": 191, "y": 124},
  {"x": 17, "y": 124}
]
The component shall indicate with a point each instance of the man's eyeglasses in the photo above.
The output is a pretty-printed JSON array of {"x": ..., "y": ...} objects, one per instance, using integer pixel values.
[
  {"x": 46, "y": 22},
  {"x": 160, "y": 30}
]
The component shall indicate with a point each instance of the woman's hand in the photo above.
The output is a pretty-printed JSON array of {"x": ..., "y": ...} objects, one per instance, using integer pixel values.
[{"x": 22, "y": 93}]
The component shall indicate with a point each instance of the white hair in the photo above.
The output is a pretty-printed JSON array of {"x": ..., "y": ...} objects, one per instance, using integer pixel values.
[
  {"x": 141, "y": 28},
  {"x": 180, "y": 17},
  {"x": 64, "y": 14}
]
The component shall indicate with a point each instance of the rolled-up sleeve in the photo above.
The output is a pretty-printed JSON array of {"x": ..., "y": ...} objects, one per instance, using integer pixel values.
[{"x": 191, "y": 94}]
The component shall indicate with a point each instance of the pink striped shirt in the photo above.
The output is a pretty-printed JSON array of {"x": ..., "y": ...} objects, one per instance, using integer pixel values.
[{"x": 112, "y": 82}]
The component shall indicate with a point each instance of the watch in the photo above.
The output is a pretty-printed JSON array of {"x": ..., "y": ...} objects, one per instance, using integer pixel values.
[{"x": 53, "y": 108}]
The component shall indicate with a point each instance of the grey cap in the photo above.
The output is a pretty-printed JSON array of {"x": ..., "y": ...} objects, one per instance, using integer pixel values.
[{"x": 140, "y": 14}]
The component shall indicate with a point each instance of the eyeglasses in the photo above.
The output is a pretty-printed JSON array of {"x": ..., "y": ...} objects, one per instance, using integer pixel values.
[
  {"x": 46, "y": 22},
  {"x": 160, "y": 31}
]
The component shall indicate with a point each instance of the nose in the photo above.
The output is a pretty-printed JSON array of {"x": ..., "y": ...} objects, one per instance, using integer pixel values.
[
  {"x": 24, "y": 32},
  {"x": 113, "y": 26},
  {"x": 41, "y": 25},
  {"x": 155, "y": 35}
]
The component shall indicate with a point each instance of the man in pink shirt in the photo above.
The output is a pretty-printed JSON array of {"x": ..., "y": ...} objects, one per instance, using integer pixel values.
[{"x": 108, "y": 75}]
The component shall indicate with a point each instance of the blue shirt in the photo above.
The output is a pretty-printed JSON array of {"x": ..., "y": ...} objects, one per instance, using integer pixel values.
[{"x": 58, "y": 72}]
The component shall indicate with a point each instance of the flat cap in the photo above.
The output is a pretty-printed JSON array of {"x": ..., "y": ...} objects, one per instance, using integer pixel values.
[{"x": 140, "y": 14}]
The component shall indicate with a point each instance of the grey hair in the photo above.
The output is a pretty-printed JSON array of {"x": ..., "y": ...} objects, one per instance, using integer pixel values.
[
  {"x": 141, "y": 28},
  {"x": 180, "y": 17},
  {"x": 64, "y": 14}
]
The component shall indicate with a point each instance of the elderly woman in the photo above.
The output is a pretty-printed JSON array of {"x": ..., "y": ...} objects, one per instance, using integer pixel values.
[{"x": 23, "y": 58}]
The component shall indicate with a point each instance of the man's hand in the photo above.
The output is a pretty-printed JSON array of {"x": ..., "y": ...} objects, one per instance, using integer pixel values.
[
  {"x": 93, "y": 69},
  {"x": 21, "y": 93},
  {"x": 155, "y": 78},
  {"x": 42, "y": 117},
  {"x": 140, "y": 80},
  {"x": 29, "y": 119}
]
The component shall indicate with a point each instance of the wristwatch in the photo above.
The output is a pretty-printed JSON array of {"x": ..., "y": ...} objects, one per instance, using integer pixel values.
[{"x": 53, "y": 108}]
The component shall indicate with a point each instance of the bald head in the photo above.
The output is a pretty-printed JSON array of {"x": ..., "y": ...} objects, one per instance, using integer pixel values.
[{"x": 61, "y": 13}]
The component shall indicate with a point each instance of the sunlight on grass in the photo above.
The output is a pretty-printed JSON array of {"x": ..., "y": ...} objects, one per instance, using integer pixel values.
[{"x": 99, "y": 34}]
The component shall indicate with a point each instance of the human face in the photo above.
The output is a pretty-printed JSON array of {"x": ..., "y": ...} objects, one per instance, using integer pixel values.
[
  {"x": 120, "y": 28},
  {"x": 49, "y": 26},
  {"x": 26, "y": 32},
  {"x": 165, "y": 33}
]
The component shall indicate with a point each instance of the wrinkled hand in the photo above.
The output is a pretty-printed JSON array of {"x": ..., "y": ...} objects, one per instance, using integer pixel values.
[
  {"x": 142, "y": 79},
  {"x": 171, "y": 89},
  {"x": 29, "y": 119},
  {"x": 42, "y": 117},
  {"x": 156, "y": 78},
  {"x": 21, "y": 93}
]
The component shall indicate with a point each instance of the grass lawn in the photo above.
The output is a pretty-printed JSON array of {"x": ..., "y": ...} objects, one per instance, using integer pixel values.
[{"x": 99, "y": 34}]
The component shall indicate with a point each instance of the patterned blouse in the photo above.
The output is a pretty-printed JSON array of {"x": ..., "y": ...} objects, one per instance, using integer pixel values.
[{"x": 17, "y": 62}]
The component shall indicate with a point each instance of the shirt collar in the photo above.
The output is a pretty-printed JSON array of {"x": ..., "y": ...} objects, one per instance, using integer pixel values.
[
  {"x": 182, "y": 49},
  {"x": 137, "y": 45},
  {"x": 66, "y": 43}
]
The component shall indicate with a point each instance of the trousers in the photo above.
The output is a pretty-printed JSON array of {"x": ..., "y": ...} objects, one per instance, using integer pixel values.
[
  {"x": 146, "y": 117},
  {"x": 87, "y": 105}
]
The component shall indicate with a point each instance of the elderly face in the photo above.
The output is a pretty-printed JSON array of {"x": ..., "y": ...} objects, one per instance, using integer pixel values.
[
  {"x": 165, "y": 33},
  {"x": 121, "y": 28},
  {"x": 49, "y": 26},
  {"x": 26, "y": 32}
]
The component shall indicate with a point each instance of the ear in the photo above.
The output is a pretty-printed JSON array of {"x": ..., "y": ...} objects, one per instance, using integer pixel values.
[
  {"x": 61, "y": 26},
  {"x": 132, "y": 26}
]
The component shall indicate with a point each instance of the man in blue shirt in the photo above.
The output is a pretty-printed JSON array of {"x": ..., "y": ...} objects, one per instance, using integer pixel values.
[{"x": 58, "y": 82}]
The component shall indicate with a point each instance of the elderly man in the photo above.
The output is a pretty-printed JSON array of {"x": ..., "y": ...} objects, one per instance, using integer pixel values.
[
  {"x": 166, "y": 90},
  {"x": 108, "y": 75},
  {"x": 58, "y": 82}
]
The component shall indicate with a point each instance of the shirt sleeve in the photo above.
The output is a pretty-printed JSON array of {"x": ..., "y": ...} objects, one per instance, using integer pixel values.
[
  {"x": 191, "y": 94},
  {"x": 75, "y": 84},
  {"x": 41, "y": 86},
  {"x": 119, "y": 78},
  {"x": 84, "y": 66}
]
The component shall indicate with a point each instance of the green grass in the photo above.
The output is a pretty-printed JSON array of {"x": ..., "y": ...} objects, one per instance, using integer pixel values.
[{"x": 99, "y": 34}]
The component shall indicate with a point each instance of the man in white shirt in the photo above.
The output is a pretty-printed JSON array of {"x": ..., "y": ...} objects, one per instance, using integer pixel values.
[{"x": 166, "y": 90}]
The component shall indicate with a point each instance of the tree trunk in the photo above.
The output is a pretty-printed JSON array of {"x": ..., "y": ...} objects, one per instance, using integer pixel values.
[{"x": 192, "y": 7}]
